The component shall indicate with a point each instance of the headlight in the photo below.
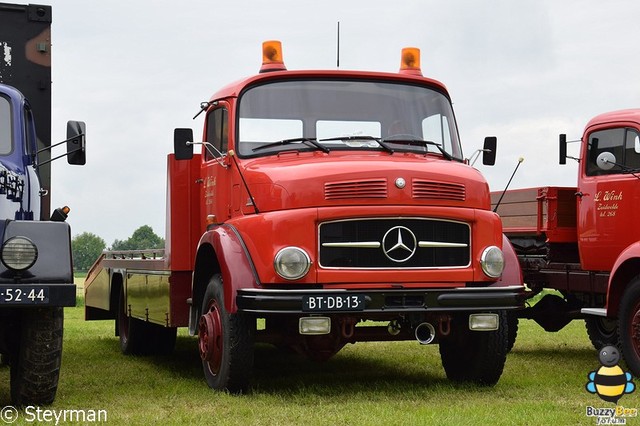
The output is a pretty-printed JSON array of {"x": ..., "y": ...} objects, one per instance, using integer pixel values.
[
  {"x": 18, "y": 253},
  {"x": 492, "y": 261},
  {"x": 292, "y": 263}
]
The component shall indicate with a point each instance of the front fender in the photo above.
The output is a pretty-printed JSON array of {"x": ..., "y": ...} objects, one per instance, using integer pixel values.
[
  {"x": 233, "y": 262},
  {"x": 512, "y": 274},
  {"x": 625, "y": 268}
]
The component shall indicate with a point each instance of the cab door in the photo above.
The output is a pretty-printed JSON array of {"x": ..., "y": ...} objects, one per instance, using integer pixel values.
[
  {"x": 608, "y": 195},
  {"x": 216, "y": 171}
]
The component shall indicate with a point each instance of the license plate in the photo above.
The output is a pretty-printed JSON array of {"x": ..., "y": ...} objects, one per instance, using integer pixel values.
[
  {"x": 333, "y": 302},
  {"x": 24, "y": 295}
]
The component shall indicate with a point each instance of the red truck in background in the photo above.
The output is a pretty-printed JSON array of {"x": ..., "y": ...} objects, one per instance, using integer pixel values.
[
  {"x": 583, "y": 241},
  {"x": 321, "y": 200}
]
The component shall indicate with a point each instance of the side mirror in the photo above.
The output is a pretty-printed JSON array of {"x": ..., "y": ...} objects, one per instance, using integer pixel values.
[
  {"x": 182, "y": 149},
  {"x": 563, "y": 149},
  {"x": 489, "y": 151},
  {"x": 76, "y": 143}
]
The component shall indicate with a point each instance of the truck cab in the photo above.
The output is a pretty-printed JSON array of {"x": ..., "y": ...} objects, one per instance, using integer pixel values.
[
  {"x": 331, "y": 198},
  {"x": 19, "y": 181},
  {"x": 607, "y": 188}
]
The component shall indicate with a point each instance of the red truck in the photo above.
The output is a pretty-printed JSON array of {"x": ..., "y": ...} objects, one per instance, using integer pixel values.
[
  {"x": 582, "y": 242},
  {"x": 326, "y": 208}
]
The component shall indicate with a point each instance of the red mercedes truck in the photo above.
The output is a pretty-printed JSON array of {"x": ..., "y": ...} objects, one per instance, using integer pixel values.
[{"x": 321, "y": 208}]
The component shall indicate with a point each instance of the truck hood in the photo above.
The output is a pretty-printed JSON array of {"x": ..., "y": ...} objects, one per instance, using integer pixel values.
[{"x": 303, "y": 180}]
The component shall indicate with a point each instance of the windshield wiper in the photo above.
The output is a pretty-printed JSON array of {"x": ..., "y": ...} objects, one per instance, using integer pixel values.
[
  {"x": 421, "y": 142},
  {"x": 362, "y": 138},
  {"x": 312, "y": 141}
]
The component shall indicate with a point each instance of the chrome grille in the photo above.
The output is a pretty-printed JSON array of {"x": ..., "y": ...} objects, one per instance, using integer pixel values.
[
  {"x": 432, "y": 190},
  {"x": 371, "y": 188},
  {"x": 394, "y": 243}
]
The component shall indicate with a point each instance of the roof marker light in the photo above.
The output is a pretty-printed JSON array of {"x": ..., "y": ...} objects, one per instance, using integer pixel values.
[
  {"x": 410, "y": 61},
  {"x": 272, "y": 56}
]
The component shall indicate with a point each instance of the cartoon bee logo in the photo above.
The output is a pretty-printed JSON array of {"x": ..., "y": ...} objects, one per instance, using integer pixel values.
[{"x": 610, "y": 382}]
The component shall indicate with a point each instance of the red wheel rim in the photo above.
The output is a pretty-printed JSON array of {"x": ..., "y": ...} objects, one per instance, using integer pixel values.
[
  {"x": 634, "y": 329},
  {"x": 210, "y": 342}
]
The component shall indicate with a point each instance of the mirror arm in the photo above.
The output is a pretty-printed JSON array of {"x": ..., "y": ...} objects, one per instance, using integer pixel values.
[
  {"x": 474, "y": 157},
  {"x": 59, "y": 156},
  {"x": 207, "y": 146},
  {"x": 50, "y": 147}
]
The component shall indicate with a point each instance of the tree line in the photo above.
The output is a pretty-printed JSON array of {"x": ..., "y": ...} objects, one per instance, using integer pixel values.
[{"x": 87, "y": 247}]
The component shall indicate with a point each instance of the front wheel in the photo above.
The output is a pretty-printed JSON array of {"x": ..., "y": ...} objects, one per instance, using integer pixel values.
[
  {"x": 475, "y": 356},
  {"x": 36, "y": 367},
  {"x": 225, "y": 342},
  {"x": 629, "y": 325}
]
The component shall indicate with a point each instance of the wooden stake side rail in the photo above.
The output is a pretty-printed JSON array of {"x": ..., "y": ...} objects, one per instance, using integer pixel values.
[{"x": 548, "y": 211}]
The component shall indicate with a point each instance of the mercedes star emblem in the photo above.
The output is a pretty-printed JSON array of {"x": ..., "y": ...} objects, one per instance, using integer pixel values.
[{"x": 399, "y": 244}]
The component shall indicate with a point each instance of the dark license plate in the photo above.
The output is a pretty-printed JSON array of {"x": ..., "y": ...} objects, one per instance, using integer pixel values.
[
  {"x": 24, "y": 295},
  {"x": 333, "y": 302}
]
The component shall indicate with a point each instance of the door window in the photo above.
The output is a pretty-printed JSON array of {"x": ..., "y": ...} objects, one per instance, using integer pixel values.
[
  {"x": 613, "y": 151},
  {"x": 217, "y": 133}
]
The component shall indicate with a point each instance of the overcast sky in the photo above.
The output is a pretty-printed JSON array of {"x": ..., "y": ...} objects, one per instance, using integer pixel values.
[{"x": 523, "y": 71}]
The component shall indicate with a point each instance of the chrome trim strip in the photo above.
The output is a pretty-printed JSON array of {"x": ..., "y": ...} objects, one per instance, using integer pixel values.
[
  {"x": 429, "y": 244},
  {"x": 355, "y": 244}
]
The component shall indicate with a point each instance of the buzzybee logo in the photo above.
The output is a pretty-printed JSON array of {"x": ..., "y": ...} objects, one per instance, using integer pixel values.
[{"x": 610, "y": 382}]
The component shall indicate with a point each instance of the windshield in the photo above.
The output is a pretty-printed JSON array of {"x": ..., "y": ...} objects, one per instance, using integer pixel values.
[
  {"x": 5, "y": 126},
  {"x": 345, "y": 115}
]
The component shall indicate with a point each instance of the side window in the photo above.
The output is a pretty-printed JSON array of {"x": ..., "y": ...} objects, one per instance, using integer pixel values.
[
  {"x": 5, "y": 126},
  {"x": 31, "y": 143},
  {"x": 217, "y": 132},
  {"x": 613, "y": 151}
]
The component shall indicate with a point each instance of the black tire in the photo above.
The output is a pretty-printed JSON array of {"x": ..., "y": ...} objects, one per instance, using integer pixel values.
[
  {"x": 475, "y": 356},
  {"x": 602, "y": 332},
  {"x": 225, "y": 342},
  {"x": 138, "y": 337},
  {"x": 134, "y": 337},
  {"x": 36, "y": 367},
  {"x": 512, "y": 324},
  {"x": 629, "y": 326}
]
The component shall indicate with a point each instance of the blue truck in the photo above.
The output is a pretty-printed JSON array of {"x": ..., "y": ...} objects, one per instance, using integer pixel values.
[{"x": 36, "y": 268}]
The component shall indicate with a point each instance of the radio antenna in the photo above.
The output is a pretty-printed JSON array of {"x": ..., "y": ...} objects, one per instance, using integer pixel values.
[
  {"x": 338, "y": 48},
  {"x": 520, "y": 160}
]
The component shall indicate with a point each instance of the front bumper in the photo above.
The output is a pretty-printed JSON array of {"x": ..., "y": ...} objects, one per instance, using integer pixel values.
[
  {"x": 14, "y": 295},
  {"x": 265, "y": 301}
]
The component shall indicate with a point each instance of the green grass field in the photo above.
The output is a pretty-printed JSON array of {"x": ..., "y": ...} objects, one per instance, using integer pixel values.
[{"x": 400, "y": 383}]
